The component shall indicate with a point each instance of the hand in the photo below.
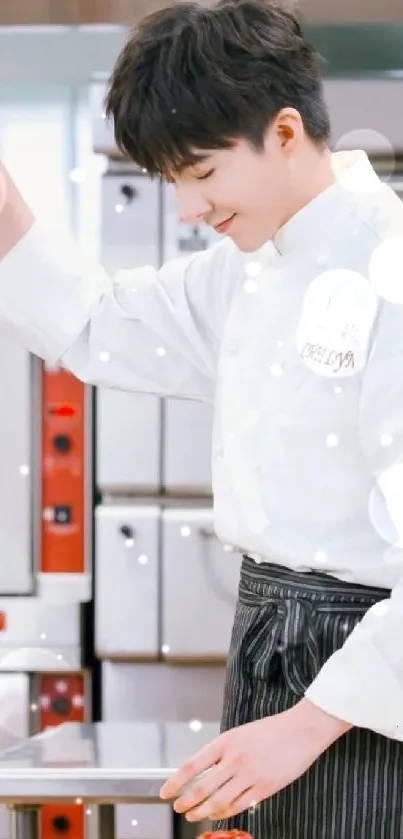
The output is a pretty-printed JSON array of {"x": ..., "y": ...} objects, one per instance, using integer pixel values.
[{"x": 252, "y": 762}]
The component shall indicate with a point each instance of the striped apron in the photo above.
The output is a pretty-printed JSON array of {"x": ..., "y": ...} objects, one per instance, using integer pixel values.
[{"x": 286, "y": 626}]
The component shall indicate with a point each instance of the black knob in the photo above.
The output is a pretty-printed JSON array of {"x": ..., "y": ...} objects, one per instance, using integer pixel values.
[
  {"x": 61, "y": 706},
  {"x": 62, "y": 443},
  {"x": 127, "y": 531},
  {"x": 129, "y": 192},
  {"x": 61, "y": 824}
]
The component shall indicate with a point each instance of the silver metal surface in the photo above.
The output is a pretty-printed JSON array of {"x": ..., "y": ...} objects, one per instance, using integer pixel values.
[
  {"x": 16, "y": 479},
  {"x": 166, "y": 692},
  {"x": 23, "y": 824},
  {"x": 39, "y": 636},
  {"x": 128, "y": 442},
  {"x": 187, "y": 436},
  {"x": 199, "y": 587},
  {"x": 128, "y": 430},
  {"x": 14, "y": 724},
  {"x": 127, "y": 575},
  {"x": 102, "y": 762}
]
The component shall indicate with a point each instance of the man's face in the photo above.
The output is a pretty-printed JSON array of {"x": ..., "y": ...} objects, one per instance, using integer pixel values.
[{"x": 246, "y": 189}]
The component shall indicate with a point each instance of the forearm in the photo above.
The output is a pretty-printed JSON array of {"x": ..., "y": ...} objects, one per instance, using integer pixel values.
[
  {"x": 16, "y": 218},
  {"x": 323, "y": 727}
]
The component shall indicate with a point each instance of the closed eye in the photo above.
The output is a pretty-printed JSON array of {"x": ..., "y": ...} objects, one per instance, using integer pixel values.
[{"x": 207, "y": 175}]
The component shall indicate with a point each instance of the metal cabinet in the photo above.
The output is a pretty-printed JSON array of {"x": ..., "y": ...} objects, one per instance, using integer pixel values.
[
  {"x": 127, "y": 572},
  {"x": 17, "y": 468},
  {"x": 37, "y": 636},
  {"x": 128, "y": 431},
  {"x": 143, "y": 821},
  {"x": 128, "y": 442},
  {"x": 14, "y": 723},
  {"x": 187, "y": 436},
  {"x": 130, "y": 220},
  {"x": 161, "y": 691},
  {"x": 199, "y": 587}
]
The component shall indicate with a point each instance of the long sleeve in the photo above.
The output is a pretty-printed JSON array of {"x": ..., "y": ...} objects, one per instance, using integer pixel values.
[
  {"x": 362, "y": 683},
  {"x": 142, "y": 330}
]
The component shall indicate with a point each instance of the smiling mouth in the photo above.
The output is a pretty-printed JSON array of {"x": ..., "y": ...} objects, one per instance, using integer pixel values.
[{"x": 224, "y": 226}]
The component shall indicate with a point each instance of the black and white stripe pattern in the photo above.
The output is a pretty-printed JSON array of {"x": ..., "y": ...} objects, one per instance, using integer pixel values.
[{"x": 286, "y": 626}]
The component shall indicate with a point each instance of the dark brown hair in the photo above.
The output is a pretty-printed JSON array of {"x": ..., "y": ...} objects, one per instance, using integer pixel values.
[{"x": 192, "y": 77}]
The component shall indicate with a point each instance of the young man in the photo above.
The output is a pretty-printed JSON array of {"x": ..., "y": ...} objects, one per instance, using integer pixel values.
[{"x": 293, "y": 326}]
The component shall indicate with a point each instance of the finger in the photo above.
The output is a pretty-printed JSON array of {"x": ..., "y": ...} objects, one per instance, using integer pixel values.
[
  {"x": 203, "y": 788},
  {"x": 203, "y": 760},
  {"x": 246, "y": 801},
  {"x": 222, "y": 799}
]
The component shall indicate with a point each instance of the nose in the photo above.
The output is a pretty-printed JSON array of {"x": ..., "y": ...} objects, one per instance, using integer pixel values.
[{"x": 193, "y": 206}]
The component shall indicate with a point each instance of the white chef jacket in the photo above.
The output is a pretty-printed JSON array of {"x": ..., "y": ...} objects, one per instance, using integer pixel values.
[{"x": 300, "y": 348}]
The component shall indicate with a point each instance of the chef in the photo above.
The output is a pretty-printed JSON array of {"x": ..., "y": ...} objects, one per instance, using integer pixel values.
[{"x": 292, "y": 326}]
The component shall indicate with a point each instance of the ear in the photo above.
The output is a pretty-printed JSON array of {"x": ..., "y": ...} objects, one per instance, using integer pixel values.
[{"x": 287, "y": 129}]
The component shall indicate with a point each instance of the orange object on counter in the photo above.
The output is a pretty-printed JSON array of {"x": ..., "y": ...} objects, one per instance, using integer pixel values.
[{"x": 226, "y": 834}]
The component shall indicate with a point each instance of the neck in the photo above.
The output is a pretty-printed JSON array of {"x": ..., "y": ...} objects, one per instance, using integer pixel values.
[{"x": 313, "y": 175}]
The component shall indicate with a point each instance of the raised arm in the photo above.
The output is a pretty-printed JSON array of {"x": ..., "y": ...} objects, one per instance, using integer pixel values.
[{"x": 141, "y": 330}]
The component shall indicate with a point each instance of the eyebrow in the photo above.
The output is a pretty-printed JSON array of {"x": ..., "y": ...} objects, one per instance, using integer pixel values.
[{"x": 200, "y": 157}]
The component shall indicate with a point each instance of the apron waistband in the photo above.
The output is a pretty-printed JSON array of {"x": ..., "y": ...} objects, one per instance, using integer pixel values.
[{"x": 265, "y": 581}]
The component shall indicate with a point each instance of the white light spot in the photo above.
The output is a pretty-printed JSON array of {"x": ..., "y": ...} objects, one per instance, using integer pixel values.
[
  {"x": 185, "y": 531},
  {"x": 320, "y": 557},
  {"x": 43, "y": 636},
  {"x": 161, "y": 351},
  {"x": 104, "y": 356},
  {"x": 258, "y": 560},
  {"x": 229, "y": 549},
  {"x": 276, "y": 370},
  {"x": 338, "y": 389},
  {"x": 250, "y": 286},
  {"x": 386, "y": 440},
  {"x": 332, "y": 440},
  {"x": 195, "y": 725},
  {"x": 279, "y": 344},
  {"x": 79, "y": 800},
  {"x": 24, "y": 470},
  {"x": 129, "y": 543},
  {"x": 380, "y": 609},
  {"x": 119, "y": 208},
  {"x": 77, "y": 176},
  {"x": 34, "y": 707},
  {"x": 253, "y": 269},
  {"x": 60, "y": 658},
  {"x": 103, "y": 115},
  {"x": 88, "y": 812},
  {"x": 143, "y": 559},
  {"x": 134, "y": 822},
  {"x": 165, "y": 648},
  {"x": 386, "y": 269}
]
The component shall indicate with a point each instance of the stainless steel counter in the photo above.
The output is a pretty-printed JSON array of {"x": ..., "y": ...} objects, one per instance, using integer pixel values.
[{"x": 103, "y": 763}]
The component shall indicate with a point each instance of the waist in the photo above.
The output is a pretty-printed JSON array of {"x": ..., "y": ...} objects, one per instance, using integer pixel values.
[{"x": 265, "y": 581}]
